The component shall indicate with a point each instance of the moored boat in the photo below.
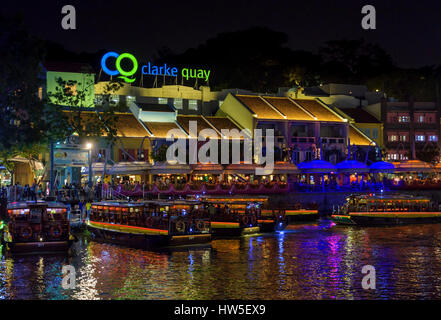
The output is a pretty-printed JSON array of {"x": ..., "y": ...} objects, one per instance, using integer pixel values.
[
  {"x": 368, "y": 210},
  {"x": 147, "y": 225},
  {"x": 35, "y": 227},
  {"x": 248, "y": 210}
]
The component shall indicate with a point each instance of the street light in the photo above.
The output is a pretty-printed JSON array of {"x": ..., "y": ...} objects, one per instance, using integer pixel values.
[{"x": 89, "y": 156}]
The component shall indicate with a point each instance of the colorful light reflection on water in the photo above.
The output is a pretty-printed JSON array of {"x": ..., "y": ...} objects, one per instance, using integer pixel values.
[{"x": 307, "y": 261}]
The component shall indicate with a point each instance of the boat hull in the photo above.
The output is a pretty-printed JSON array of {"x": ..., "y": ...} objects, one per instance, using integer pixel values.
[
  {"x": 39, "y": 247},
  {"x": 387, "y": 219},
  {"x": 231, "y": 229},
  {"x": 146, "y": 241}
]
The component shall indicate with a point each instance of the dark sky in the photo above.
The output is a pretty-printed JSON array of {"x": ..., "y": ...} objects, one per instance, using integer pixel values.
[{"x": 409, "y": 30}]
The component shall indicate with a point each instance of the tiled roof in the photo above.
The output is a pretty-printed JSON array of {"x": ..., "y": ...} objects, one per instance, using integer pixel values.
[
  {"x": 222, "y": 123},
  {"x": 288, "y": 108},
  {"x": 319, "y": 111},
  {"x": 357, "y": 138},
  {"x": 184, "y": 121},
  {"x": 275, "y": 108},
  {"x": 259, "y": 107},
  {"x": 127, "y": 125},
  {"x": 160, "y": 129},
  {"x": 360, "y": 115}
]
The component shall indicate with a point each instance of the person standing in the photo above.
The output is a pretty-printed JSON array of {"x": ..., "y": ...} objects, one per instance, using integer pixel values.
[
  {"x": 33, "y": 191},
  {"x": 88, "y": 206}
]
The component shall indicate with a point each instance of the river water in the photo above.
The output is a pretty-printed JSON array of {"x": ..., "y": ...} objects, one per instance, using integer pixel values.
[{"x": 317, "y": 260}]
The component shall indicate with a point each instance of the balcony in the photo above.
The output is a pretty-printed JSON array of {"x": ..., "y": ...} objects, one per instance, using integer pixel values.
[
  {"x": 332, "y": 140},
  {"x": 302, "y": 139}
]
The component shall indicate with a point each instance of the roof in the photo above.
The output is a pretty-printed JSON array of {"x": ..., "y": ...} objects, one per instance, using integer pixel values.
[
  {"x": 289, "y": 108},
  {"x": 184, "y": 121},
  {"x": 360, "y": 115},
  {"x": 358, "y": 138},
  {"x": 156, "y": 107},
  {"x": 68, "y": 67},
  {"x": 318, "y": 110},
  {"x": 281, "y": 108},
  {"x": 160, "y": 129},
  {"x": 259, "y": 107},
  {"x": 126, "y": 124},
  {"x": 222, "y": 123}
]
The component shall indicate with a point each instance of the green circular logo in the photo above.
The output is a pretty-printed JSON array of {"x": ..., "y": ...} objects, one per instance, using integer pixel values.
[{"x": 134, "y": 62}]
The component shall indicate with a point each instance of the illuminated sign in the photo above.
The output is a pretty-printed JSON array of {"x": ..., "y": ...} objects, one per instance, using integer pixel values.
[
  {"x": 124, "y": 74},
  {"x": 149, "y": 69}
]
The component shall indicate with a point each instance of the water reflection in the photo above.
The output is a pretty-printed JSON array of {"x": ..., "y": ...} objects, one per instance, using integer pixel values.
[{"x": 306, "y": 261}]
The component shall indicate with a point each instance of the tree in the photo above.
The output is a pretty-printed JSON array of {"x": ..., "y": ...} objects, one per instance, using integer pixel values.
[
  {"x": 429, "y": 153},
  {"x": 160, "y": 155},
  {"x": 256, "y": 59},
  {"x": 21, "y": 124},
  {"x": 354, "y": 61}
]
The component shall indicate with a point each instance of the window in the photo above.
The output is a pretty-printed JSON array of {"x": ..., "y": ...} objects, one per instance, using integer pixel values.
[
  {"x": 162, "y": 100},
  {"x": 40, "y": 93},
  {"x": 420, "y": 119},
  {"x": 374, "y": 133},
  {"x": 404, "y": 136},
  {"x": 433, "y": 138},
  {"x": 403, "y": 157},
  {"x": 130, "y": 99},
  {"x": 392, "y": 156},
  {"x": 177, "y": 103},
  {"x": 420, "y": 137},
  {"x": 98, "y": 100},
  {"x": 114, "y": 99},
  {"x": 403, "y": 119},
  {"x": 393, "y": 137},
  {"x": 192, "y": 105}
]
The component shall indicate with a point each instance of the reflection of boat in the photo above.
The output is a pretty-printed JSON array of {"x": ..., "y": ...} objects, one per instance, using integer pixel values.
[
  {"x": 36, "y": 227},
  {"x": 387, "y": 210},
  {"x": 147, "y": 225}
]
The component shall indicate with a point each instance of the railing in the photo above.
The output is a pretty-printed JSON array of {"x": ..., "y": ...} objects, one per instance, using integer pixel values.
[{"x": 188, "y": 189}]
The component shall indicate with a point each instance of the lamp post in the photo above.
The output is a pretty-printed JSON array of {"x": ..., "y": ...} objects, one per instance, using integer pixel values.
[
  {"x": 89, "y": 149},
  {"x": 51, "y": 178}
]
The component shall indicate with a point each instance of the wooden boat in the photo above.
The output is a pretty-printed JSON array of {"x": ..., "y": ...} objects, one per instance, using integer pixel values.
[
  {"x": 367, "y": 210},
  {"x": 149, "y": 224},
  {"x": 226, "y": 221},
  {"x": 250, "y": 206},
  {"x": 36, "y": 226}
]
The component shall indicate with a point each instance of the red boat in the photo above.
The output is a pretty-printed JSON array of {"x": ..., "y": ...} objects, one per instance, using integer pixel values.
[{"x": 36, "y": 227}]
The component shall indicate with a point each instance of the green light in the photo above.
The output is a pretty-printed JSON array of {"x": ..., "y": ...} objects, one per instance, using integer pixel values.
[{"x": 134, "y": 61}]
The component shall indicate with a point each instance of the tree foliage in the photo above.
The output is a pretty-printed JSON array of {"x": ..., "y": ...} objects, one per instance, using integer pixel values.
[{"x": 429, "y": 153}]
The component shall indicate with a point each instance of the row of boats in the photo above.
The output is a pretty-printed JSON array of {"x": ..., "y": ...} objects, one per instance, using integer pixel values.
[{"x": 45, "y": 226}]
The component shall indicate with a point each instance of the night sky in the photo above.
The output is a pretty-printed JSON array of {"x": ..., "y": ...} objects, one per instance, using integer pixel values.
[{"x": 409, "y": 30}]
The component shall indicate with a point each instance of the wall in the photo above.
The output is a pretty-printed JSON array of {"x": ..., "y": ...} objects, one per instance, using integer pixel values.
[{"x": 85, "y": 83}]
